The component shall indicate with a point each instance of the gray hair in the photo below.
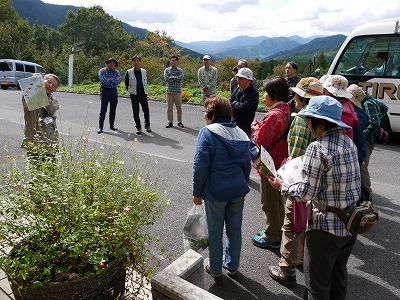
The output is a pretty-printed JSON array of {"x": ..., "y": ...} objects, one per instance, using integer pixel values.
[{"x": 55, "y": 77}]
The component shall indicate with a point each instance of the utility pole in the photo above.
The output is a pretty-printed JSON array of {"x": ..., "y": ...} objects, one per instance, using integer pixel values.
[{"x": 71, "y": 61}]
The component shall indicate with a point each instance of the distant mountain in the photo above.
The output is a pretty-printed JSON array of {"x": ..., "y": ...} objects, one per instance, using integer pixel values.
[
  {"x": 326, "y": 45},
  {"x": 260, "y": 51},
  {"x": 208, "y": 47},
  {"x": 261, "y": 47},
  {"x": 53, "y": 15}
]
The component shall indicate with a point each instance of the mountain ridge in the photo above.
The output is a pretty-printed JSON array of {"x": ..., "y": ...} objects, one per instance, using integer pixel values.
[{"x": 260, "y": 47}]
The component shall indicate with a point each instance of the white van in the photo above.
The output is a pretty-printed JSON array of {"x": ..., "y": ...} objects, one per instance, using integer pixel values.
[
  {"x": 357, "y": 61},
  {"x": 13, "y": 70}
]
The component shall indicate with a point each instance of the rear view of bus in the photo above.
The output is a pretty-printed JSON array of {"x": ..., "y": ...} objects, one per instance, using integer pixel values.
[{"x": 370, "y": 57}]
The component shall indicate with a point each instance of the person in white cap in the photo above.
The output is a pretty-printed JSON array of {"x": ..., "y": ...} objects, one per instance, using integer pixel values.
[
  {"x": 208, "y": 78},
  {"x": 244, "y": 100},
  {"x": 331, "y": 176}
]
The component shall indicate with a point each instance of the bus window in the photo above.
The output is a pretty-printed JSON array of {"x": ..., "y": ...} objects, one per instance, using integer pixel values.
[
  {"x": 377, "y": 56},
  {"x": 5, "y": 66},
  {"x": 40, "y": 70}
]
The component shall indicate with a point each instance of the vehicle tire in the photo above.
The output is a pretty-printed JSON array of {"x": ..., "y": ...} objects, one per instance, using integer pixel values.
[{"x": 4, "y": 87}]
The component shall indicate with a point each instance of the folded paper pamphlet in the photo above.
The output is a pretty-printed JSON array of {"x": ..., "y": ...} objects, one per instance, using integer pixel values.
[
  {"x": 264, "y": 163},
  {"x": 34, "y": 92},
  {"x": 292, "y": 171}
]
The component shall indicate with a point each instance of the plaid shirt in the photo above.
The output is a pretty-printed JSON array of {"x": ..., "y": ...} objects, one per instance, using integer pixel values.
[
  {"x": 173, "y": 80},
  {"x": 299, "y": 137},
  {"x": 331, "y": 177},
  {"x": 109, "y": 79},
  {"x": 372, "y": 108}
]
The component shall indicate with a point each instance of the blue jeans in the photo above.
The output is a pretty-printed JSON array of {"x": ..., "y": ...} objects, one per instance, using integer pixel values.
[{"x": 230, "y": 214}]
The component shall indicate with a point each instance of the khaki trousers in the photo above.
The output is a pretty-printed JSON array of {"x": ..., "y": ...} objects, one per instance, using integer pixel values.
[
  {"x": 292, "y": 245},
  {"x": 171, "y": 100},
  {"x": 274, "y": 211},
  {"x": 365, "y": 179}
]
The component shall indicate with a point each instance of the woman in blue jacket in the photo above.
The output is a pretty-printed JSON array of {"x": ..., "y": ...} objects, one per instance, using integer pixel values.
[{"x": 221, "y": 170}]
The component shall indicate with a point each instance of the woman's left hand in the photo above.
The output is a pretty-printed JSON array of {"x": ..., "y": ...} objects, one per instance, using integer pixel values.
[
  {"x": 197, "y": 200},
  {"x": 275, "y": 182}
]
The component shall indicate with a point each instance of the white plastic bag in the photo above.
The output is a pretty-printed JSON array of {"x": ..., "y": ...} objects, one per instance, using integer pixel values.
[{"x": 195, "y": 234}]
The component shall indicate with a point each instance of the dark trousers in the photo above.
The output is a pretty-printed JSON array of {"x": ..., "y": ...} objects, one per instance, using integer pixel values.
[
  {"x": 142, "y": 99},
  {"x": 108, "y": 95},
  {"x": 325, "y": 265}
]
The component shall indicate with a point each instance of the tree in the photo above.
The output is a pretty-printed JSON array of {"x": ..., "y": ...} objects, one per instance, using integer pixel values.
[{"x": 99, "y": 31}]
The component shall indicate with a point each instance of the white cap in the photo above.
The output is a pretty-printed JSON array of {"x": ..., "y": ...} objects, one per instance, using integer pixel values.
[
  {"x": 245, "y": 73},
  {"x": 206, "y": 57}
]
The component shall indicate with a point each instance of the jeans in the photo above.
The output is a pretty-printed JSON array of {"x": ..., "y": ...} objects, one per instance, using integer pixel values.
[
  {"x": 230, "y": 214},
  {"x": 142, "y": 99},
  {"x": 108, "y": 95}
]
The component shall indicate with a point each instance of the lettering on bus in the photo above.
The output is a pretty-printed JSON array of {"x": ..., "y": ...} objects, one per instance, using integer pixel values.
[{"x": 378, "y": 90}]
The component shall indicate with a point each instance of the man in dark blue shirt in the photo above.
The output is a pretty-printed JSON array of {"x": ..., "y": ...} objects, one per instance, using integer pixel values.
[
  {"x": 244, "y": 100},
  {"x": 109, "y": 80}
]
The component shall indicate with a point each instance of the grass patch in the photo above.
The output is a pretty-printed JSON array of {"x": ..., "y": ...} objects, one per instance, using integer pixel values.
[{"x": 156, "y": 92}]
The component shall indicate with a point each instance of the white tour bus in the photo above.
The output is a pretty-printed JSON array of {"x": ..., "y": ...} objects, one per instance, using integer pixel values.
[
  {"x": 12, "y": 70},
  {"x": 357, "y": 61}
]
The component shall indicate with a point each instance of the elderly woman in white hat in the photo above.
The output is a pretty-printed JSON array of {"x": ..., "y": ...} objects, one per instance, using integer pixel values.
[
  {"x": 331, "y": 176},
  {"x": 335, "y": 86}
]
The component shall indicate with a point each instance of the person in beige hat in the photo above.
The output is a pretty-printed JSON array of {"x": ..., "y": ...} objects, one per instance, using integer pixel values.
[
  {"x": 299, "y": 137},
  {"x": 336, "y": 87}
]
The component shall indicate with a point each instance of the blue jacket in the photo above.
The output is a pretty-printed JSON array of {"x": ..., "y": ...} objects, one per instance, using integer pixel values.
[
  {"x": 222, "y": 163},
  {"x": 358, "y": 134}
]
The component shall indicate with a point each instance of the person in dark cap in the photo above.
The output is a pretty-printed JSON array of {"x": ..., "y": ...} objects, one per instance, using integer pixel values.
[{"x": 109, "y": 80}]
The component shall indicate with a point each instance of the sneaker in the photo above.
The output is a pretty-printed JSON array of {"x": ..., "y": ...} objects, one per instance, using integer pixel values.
[
  {"x": 148, "y": 129},
  {"x": 230, "y": 272},
  {"x": 261, "y": 233},
  {"x": 114, "y": 128},
  {"x": 139, "y": 130},
  {"x": 261, "y": 242},
  {"x": 276, "y": 274},
  {"x": 100, "y": 130},
  {"x": 215, "y": 275},
  {"x": 181, "y": 125},
  {"x": 169, "y": 125}
]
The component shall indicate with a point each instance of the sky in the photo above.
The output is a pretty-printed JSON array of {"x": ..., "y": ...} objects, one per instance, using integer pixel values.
[{"x": 220, "y": 20}]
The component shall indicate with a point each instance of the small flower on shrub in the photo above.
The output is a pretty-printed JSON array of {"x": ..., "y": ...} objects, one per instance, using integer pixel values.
[{"x": 185, "y": 96}]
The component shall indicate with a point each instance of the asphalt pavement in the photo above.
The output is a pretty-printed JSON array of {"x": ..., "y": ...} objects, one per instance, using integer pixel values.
[{"x": 373, "y": 267}]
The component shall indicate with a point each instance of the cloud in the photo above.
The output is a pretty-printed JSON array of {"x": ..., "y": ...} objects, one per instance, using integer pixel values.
[
  {"x": 146, "y": 16},
  {"x": 229, "y": 6}
]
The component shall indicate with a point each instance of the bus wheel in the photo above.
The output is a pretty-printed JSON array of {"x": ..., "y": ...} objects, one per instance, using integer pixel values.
[{"x": 4, "y": 87}]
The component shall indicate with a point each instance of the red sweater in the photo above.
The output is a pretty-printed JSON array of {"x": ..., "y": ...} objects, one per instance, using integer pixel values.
[{"x": 272, "y": 127}]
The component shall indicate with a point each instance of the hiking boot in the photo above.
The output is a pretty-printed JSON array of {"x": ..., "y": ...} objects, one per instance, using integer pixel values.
[
  {"x": 114, "y": 128},
  {"x": 148, "y": 129},
  {"x": 181, "y": 125},
  {"x": 169, "y": 125},
  {"x": 100, "y": 130},
  {"x": 276, "y": 274},
  {"x": 261, "y": 242},
  {"x": 139, "y": 130}
]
